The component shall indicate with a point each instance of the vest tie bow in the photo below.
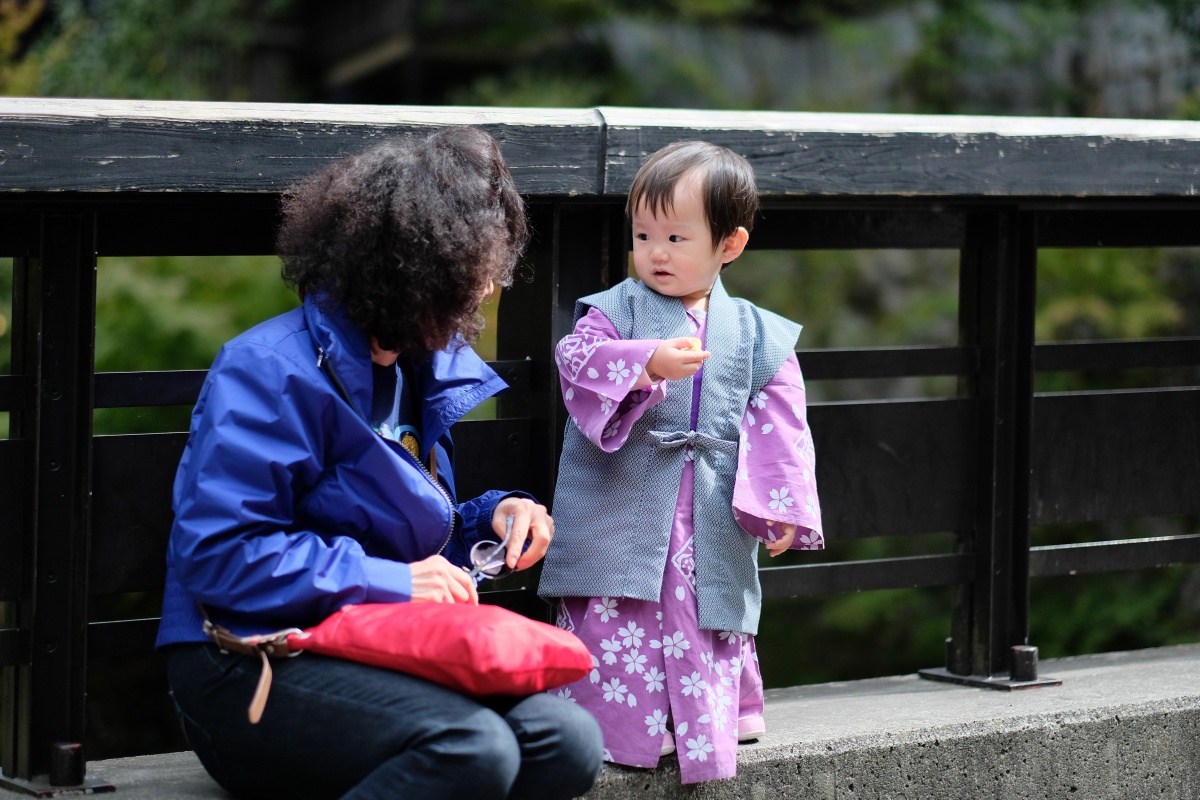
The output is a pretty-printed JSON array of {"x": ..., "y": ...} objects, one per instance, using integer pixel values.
[{"x": 668, "y": 439}]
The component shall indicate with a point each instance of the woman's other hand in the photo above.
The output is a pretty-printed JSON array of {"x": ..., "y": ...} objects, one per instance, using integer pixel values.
[
  {"x": 531, "y": 522},
  {"x": 436, "y": 580}
]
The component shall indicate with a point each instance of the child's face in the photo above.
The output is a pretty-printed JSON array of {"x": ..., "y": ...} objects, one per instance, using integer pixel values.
[{"x": 673, "y": 253}]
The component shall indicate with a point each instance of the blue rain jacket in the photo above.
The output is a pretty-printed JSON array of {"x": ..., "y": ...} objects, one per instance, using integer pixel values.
[{"x": 288, "y": 505}]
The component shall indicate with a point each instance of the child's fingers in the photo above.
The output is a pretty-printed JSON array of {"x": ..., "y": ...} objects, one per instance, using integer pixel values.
[
  {"x": 787, "y": 533},
  {"x": 684, "y": 343}
]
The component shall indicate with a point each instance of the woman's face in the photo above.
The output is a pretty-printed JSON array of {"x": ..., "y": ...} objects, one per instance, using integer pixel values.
[
  {"x": 486, "y": 292},
  {"x": 384, "y": 358}
]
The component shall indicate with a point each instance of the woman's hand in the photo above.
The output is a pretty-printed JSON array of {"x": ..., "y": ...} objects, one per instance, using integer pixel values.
[
  {"x": 783, "y": 542},
  {"x": 531, "y": 522},
  {"x": 676, "y": 358},
  {"x": 436, "y": 580}
]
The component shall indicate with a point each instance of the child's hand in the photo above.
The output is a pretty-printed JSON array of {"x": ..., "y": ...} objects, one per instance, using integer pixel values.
[
  {"x": 783, "y": 542},
  {"x": 676, "y": 358}
]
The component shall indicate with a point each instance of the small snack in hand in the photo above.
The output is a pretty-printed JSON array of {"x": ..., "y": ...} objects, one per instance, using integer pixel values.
[{"x": 695, "y": 344}]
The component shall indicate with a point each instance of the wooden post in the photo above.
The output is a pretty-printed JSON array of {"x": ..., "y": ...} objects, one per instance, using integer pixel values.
[
  {"x": 997, "y": 293},
  {"x": 60, "y": 307}
]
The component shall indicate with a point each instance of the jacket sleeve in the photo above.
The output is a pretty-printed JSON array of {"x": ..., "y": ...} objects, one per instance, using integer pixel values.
[
  {"x": 475, "y": 524},
  {"x": 257, "y": 443}
]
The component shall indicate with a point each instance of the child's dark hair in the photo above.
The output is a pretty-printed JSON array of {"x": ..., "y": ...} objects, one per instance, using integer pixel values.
[
  {"x": 404, "y": 236},
  {"x": 727, "y": 185}
]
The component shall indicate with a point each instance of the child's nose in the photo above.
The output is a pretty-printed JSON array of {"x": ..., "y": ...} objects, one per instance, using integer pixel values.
[{"x": 658, "y": 253}]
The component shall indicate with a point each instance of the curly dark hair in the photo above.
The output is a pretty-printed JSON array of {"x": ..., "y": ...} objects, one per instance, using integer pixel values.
[{"x": 404, "y": 236}]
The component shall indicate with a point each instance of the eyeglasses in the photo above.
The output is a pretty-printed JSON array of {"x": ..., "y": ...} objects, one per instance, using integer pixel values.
[{"x": 487, "y": 558}]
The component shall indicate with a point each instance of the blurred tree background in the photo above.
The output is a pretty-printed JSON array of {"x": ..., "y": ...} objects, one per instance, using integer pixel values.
[{"x": 1114, "y": 58}]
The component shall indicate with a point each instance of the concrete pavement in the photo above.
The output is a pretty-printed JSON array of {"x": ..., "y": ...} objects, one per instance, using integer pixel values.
[{"x": 1121, "y": 725}]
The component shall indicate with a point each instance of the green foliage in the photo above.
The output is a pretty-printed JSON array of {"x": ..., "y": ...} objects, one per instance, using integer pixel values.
[
  {"x": 852, "y": 636},
  {"x": 1184, "y": 16},
  {"x": 1096, "y": 294},
  {"x": 849, "y": 298},
  {"x": 971, "y": 54},
  {"x": 1103, "y": 294},
  {"x": 949, "y": 41},
  {"x": 1124, "y": 611},
  {"x": 17, "y": 19},
  {"x": 180, "y": 310},
  {"x": 146, "y": 49},
  {"x": 533, "y": 87},
  {"x": 175, "y": 313}
]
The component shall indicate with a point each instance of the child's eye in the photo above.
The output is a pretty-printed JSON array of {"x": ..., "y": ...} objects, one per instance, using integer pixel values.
[
  {"x": 675, "y": 237},
  {"x": 640, "y": 237}
]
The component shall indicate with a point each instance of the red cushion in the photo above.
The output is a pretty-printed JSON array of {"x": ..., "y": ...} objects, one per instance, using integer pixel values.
[{"x": 479, "y": 650}]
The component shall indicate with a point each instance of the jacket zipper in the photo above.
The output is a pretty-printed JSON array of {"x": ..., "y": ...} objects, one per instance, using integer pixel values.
[{"x": 325, "y": 364}]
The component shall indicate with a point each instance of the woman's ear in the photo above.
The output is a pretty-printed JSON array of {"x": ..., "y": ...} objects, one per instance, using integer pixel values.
[{"x": 734, "y": 244}]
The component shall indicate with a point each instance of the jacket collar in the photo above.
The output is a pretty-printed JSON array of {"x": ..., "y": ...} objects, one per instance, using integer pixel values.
[
  {"x": 448, "y": 383},
  {"x": 345, "y": 347}
]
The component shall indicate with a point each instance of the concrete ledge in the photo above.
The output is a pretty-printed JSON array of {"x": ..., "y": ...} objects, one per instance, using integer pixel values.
[{"x": 1122, "y": 725}]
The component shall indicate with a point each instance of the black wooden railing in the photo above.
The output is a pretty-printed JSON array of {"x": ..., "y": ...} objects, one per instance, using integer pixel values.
[{"x": 85, "y": 516}]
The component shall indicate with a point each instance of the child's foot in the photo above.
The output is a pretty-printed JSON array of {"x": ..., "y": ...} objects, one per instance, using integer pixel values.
[
  {"x": 750, "y": 728},
  {"x": 668, "y": 745}
]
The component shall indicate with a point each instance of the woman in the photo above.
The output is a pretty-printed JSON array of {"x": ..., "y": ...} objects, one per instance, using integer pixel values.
[{"x": 317, "y": 473}]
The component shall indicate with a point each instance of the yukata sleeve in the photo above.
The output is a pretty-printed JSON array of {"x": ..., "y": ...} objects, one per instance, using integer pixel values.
[
  {"x": 604, "y": 382},
  {"x": 776, "y": 479}
]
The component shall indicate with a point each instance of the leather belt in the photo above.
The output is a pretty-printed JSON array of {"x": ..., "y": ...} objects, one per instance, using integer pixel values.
[
  {"x": 271, "y": 644},
  {"x": 260, "y": 645}
]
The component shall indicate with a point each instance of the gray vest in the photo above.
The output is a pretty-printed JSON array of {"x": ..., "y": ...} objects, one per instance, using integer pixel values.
[{"x": 613, "y": 511}]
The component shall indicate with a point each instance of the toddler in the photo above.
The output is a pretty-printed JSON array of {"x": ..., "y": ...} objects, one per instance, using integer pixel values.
[{"x": 688, "y": 445}]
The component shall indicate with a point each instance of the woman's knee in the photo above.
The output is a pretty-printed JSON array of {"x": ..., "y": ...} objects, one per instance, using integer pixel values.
[
  {"x": 482, "y": 750},
  {"x": 562, "y": 745},
  {"x": 581, "y": 745}
]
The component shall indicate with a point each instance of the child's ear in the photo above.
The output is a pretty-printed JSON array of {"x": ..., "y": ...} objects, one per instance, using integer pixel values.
[{"x": 734, "y": 244}]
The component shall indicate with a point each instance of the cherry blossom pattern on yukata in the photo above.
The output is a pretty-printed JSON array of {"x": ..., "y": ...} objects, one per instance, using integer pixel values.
[
  {"x": 603, "y": 379},
  {"x": 776, "y": 477}
]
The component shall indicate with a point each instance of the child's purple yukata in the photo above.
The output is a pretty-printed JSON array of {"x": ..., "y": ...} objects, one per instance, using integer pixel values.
[{"x": 655, "y": 669}]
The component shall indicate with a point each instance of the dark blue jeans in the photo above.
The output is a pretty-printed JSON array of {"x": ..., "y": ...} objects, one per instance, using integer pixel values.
[{"x": 335, "y": 728}]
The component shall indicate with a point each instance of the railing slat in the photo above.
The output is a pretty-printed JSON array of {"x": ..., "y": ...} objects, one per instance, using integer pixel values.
[
  {"x": 1183, "y": 351},
  {"x": 14, "y": 491},
  {"x": 182, "y": 387},
  {"x": 1115, "y": 455},
  {"x": 131, "y": 515},
  {"x": 893, "y": 468},
  {"x": 14, "y": 647},
  {"x": 1128, "y": 226},
  {"x": 1118, "y": 555},
  {"x": 808, "y": 580},
  {"x": 783, "y": 228},
  {"x": 887, "y": 362},
  {"x": 14, "y": 393},
  {"x": 123, "y": 637}
]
